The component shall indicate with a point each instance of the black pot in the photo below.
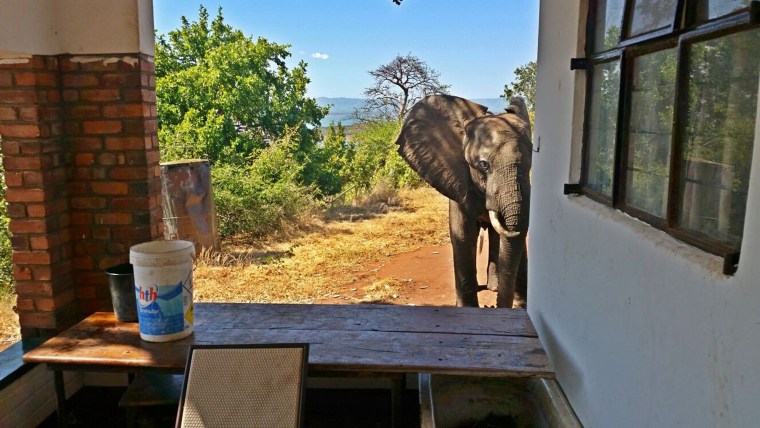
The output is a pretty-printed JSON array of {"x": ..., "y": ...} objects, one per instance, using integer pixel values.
[{"x": 121, "y": 281}]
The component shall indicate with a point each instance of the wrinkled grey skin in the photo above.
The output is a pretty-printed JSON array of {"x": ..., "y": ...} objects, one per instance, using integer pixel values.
[{"x": 481, "y": 162}]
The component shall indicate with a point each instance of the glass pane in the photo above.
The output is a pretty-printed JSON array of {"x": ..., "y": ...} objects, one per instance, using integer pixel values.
[
  {"x": 711, "y": 9},
  {"x": 717, "y": 151},
  {"x": 609, "y": 16},
  {"x": 651, "y": 122},
  {"x": 600, "y": 142},
  {"x": 650, "y": 15}
]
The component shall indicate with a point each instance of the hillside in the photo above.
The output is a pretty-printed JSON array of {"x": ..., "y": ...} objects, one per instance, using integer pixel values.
[{"x": 341, "y": 108}]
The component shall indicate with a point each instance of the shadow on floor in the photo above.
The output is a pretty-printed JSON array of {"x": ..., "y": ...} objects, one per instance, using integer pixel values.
[{"x": 334, "y": 408}]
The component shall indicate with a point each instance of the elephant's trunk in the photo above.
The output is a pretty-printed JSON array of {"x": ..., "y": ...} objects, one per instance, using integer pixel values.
[
  {"x": 507, "y": 201},
  {"x": 501, "y": 230},
  {"x": 511, "y": 251}
]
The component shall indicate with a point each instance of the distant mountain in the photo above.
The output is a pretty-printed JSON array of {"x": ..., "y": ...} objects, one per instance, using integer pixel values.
[{"x": 341, "y": 108}]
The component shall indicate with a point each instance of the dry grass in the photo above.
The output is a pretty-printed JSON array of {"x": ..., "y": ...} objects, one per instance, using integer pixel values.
[
  {"x": 317, "y": 260},
  {"x": 9, "y": 328}
]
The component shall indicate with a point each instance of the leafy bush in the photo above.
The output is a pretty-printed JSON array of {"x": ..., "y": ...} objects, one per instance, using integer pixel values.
[
  {"x": 376, "y": 158},
  {"x": 6, "y": 251},
  {"x": 263, "y": 196}
]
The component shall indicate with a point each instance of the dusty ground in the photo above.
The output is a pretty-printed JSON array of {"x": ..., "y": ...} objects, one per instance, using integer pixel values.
[{"x": 424, "y": 277}]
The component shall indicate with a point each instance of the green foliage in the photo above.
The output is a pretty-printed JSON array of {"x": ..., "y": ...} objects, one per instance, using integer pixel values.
[
  {"x": 524, "y": 86},
  {"x": 263, "y": 196},
  {"x": 376, "y": 158},
  {"x": 222, "y": 95},
  {"x": 6, "y": 250},
  {"x": 328, "y": 168}
]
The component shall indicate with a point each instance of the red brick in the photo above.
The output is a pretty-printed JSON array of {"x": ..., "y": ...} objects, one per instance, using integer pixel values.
[
  {"x": 8, "y": 113},
  {"x": 100, "y": 94},
  {"x": 131, "y": 234},
  {"x": 14, "y": 179},
  {"x": 35, "y": 79},
  {"x": 70, "y": 95},
  {"x": 113, "y": 218},
  {"x": 19, "y": 131},
  {"x": 85, "y": 292},
  {"x": 39, "y": 242},
  {"x": 124, "y": 143},
  {"x": 107, "y": 262},
  {"x": 83, "y": 159},
  {"x": 22, "y": 162},
  {"x": 37, "y": 319},
  {"x": 36, "y": 288},
  {"x": 17, "y": 96},
  {"x": 139, "y": 203},
  {"x": 29, "y": 114},
  {"x": 21, "y": 273},
  {"x": 82, "y": 263},
  {"x": 80, "y": 80},
  {"x": 32, "y": 258},
  {"x": 6, "y": 79},
  {"x": 99, "y": 64},
  {"x": 123, "y": 110},
  {"x": 107, "y": 159},
  {"x": 24, "y": 304},
  {"x": 128, "y": 173},
  {"x": 109, "y": 188},
  {"x": 16, "y": 210},
  {"x": 37, "y": 211},
  {"x": 121, "y": 80},
  {"x": 101, "y": 232},
  {"x": 68, "y": 66},
  {"x": 81, "y": 218},
  {"x": 24, "y": 195},
  {"x": 54, "y": 96},
  {"x": 101, "y": 126},
  {"x": 88, "y": 203},
  {"x": 83, "y": 111},
  {"x": 9, "y": 148},
  {"x": 30, "y": 147},
  {"x": 81, "y": 144},
  {"x": 27, "y": 226}
]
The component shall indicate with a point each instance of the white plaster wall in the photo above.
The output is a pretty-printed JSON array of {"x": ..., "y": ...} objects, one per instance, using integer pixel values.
[
  {"x": 643, "y": 330},
  {"x": 50, "y": 27}
]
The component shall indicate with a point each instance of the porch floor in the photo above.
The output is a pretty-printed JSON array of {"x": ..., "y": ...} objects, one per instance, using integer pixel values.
[{"x": 97, "y": 407}]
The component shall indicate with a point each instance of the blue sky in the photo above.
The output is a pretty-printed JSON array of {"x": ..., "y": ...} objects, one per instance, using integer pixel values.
[{"x": 474, "y": 44}]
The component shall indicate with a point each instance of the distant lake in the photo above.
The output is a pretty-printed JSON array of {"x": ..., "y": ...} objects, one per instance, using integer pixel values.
[{"x": 341, "y": 108}]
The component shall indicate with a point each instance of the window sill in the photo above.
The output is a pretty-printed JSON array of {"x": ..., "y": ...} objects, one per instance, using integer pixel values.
[
  {"x": 11, "y": 365},
  {"x": 707, "y": 262}
]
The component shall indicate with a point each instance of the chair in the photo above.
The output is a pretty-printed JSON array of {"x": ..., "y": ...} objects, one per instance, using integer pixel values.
[{"x": 244, "y": 386}]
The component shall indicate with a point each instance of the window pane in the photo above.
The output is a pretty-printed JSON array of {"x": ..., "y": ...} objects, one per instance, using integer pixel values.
[
  {"x": 711, "y": 9},
  {"x": 600, "y": 143},
  {"x": 650, "y": 15},
  {"x": 717, "y": 150},
  {"x": 652, "y": 98},
  {"x": 609, "y": 16}
]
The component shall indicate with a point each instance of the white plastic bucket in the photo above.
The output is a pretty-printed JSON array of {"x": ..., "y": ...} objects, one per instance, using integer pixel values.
[{"x": 163, "y": 272}]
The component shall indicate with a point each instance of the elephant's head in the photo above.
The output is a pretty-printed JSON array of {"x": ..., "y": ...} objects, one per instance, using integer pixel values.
[{"x": 465, "y": 152}]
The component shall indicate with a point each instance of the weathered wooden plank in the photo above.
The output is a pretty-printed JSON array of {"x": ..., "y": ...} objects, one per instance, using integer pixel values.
[
  {"x": 513, "y": 322},
  {"x": 100, "y": 340}
]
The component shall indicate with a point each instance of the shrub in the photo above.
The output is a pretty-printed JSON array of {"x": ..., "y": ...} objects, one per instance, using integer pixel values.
[{"x": 263, "y": 196}]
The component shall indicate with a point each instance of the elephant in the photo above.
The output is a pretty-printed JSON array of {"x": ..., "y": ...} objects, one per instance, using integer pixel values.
[{"x": 481, "y": 162}]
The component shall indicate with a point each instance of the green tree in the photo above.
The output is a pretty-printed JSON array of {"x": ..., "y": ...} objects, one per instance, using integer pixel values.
[
  {"x": 524, "y": 85},
  {"x": 222, "y": 95}
]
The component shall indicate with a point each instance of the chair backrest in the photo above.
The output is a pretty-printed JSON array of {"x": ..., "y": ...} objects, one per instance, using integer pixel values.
[{"x": 244, "y": 386}]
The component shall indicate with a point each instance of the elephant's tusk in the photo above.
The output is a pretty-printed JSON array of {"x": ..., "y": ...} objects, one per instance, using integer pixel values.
[{"x": 499, "y": 228}]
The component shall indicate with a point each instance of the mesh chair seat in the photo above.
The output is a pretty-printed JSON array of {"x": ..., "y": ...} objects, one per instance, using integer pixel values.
[{"x": 244, "y": 386}]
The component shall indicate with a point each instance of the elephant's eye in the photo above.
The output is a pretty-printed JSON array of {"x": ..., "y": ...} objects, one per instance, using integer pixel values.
[{"x": 483, "y": 165}]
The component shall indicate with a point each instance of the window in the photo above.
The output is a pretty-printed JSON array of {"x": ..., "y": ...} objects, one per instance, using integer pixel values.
[{"x": 670, "y": 115}]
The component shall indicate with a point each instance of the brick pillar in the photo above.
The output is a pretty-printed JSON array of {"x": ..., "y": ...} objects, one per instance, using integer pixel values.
[
  {"x": 34, "y": 157},
  {"x": 109, "y": 107},
  {"x": 80, "y": 148}
]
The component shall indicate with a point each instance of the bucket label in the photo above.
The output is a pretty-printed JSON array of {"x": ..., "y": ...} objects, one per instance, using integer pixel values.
[{"x": 160, "y": 309}]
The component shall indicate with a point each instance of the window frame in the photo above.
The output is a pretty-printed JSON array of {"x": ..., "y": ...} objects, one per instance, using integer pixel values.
[{"x": 683, "y": 33}]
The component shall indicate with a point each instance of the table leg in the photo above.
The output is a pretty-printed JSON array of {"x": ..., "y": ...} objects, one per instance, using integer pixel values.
[
  {"x": 397, "y": 388},
  {"x": 60, "y": 396}
]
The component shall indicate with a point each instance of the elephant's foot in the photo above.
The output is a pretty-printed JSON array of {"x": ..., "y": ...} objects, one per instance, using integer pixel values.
[{"x": 467, "y": 297}]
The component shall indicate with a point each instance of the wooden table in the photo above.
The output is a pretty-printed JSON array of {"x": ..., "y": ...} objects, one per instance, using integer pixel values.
[{"x": 342, "y": 339}]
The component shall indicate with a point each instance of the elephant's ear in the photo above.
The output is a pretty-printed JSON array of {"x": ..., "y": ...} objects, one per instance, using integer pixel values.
[
  {"x": 431, "y": 142},
  {"x": 517, "y": 106}
]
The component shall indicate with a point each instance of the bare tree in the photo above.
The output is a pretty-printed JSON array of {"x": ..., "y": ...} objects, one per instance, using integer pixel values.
[{"x": 398, "y": 86}]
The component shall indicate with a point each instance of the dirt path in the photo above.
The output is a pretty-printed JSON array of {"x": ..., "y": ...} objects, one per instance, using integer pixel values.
[{"x": 423, "y": 278}]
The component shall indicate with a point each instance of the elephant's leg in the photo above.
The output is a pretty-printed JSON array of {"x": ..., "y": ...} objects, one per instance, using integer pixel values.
[
  {"x": 463, "y": 230},
  {"x": 493, "y": 259},
  {"x": 521, "y": 289},
  {"x": 511, "y": 251}
]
